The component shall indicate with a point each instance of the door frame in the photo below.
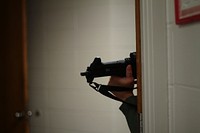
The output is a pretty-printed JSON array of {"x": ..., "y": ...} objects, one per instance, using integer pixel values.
[
  {"x": 13, "y": 51},
  {"x": 154, "y": 66}
]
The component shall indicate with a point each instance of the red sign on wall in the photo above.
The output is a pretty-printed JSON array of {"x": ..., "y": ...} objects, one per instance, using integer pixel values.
[{"x": 187, "y": 11}]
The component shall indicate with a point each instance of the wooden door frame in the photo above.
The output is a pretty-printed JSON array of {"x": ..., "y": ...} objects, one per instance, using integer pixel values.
[
  {"x": 13, "y": 51},
  {"x": 138, "y": 55}
]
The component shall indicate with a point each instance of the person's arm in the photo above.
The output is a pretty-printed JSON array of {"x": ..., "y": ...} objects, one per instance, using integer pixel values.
[
  {"x": 127, "y": 81},
  {"x": 129, "y": 107},
  {"x": 130, "y": 112}
]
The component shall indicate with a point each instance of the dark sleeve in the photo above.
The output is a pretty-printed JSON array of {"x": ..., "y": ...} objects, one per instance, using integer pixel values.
[{"x": 129, "y": 109}]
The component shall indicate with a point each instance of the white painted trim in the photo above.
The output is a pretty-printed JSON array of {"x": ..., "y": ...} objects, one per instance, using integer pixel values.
[{"x": 154, "y": 66}]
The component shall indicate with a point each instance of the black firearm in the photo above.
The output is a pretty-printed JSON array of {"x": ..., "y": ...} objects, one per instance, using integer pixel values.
[{"x": 113, "y": 68}]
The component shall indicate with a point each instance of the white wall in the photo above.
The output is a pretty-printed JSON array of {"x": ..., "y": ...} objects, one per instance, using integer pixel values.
[
  {"x": 64, "y": 37},
  {"x": 171, "y": 96},
  {"x": 184, "y": 74}
]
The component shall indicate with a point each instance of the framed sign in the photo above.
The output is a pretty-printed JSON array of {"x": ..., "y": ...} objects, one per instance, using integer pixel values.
[{"x": 187, "y": 11}]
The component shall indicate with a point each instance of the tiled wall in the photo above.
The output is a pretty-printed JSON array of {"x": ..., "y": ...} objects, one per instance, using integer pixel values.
[
  {"x": 184, "y": 74},
  {"x": 64, "y": 37}
]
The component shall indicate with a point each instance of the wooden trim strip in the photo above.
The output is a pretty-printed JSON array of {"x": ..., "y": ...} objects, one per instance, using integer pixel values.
[{"x": 138, "y": 56}]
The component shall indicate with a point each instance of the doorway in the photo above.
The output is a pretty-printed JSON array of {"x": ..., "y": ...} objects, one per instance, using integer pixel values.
[{"x": 64, "y": 37}]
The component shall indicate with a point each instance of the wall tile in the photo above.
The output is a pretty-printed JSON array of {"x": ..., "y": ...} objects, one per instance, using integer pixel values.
[
  {"x": 73, "y": 99},
  {"x": 186, "y": 109},
  {"x": 37, "y": 78},
  {"x": 84, "y": 121},
  {"x": 170, "y": 12},
  {"x": 186, "y": 52}
]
